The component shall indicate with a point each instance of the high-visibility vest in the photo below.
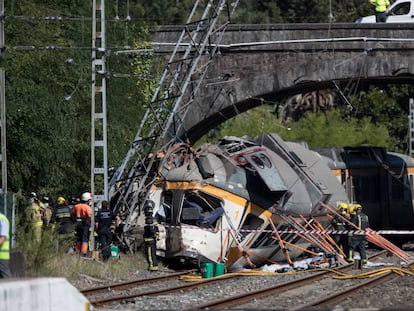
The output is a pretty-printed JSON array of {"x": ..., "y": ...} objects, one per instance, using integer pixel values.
[
  {"x": 5, "y": 247},
  {"x": 380, "y": 5}
]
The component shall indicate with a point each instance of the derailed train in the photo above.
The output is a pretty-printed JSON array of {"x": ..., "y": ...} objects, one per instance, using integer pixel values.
[
  {"x": 260, "y": 192},
  {"x": 382, "y": 182}
]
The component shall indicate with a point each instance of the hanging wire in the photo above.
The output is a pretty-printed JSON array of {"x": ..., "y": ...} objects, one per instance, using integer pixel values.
[
  {"x": 116, "y": 10},
  {"x": 128, "y": 17},
  {"x": 127, "y": 20}
]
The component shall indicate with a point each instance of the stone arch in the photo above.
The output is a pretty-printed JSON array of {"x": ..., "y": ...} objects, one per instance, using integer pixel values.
[{"x": 293, "y": 59}]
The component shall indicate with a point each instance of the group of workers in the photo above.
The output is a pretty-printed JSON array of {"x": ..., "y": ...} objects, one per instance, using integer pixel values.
[
  {"x": 73, "y": 216},
  {"x": 350, "y": 223}
]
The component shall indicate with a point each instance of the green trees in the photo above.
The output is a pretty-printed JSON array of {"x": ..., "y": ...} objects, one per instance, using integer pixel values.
[
  {"x": 48, "y": 88},
  {"x": 48, "y": 93},
  {"x": 330, "y": 129}
]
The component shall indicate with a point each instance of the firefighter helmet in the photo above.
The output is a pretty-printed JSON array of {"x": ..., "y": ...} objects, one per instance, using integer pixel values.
[
  {"x": 343, "y": 206},
  {"x": 86, "y": 196},
  {"x": 353, "y": 208},
  {"x": 60, "y": 200},
  {"x": 149, "y": 207},
  {"x": 357, "y": 207}
]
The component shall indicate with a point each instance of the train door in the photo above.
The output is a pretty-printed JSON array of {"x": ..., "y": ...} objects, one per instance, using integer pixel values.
[
  {"x": 400, "y": 211},
  {"x": 370, "y": 190}
]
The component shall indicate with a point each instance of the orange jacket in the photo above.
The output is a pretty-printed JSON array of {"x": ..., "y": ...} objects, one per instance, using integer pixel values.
[{"x": 82, "y": 211}]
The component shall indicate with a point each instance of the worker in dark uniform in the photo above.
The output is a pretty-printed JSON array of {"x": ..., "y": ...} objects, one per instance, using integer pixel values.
[
  {"x": 150, "y": 236},
  {"x": 104, "y": 220},
  {"x": 357, "y": 241},
  {"x": 339, "y": 223},
  {"x": 62, "y": 217}
]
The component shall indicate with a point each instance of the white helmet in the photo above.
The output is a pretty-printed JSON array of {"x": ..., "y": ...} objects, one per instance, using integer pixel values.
[{"x": 86, "y": 196}]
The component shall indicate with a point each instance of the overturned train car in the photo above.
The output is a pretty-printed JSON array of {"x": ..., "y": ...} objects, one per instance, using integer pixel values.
[
  {"x": 381, "y": 181},
  {"x": 237, "y": 201}
]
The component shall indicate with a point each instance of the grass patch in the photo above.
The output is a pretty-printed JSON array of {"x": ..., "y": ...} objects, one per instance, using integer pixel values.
[{"x": 71, "y": 266}]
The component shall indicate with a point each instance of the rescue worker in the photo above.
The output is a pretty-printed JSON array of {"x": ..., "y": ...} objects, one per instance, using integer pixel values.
[
  {"x": 381, "y": 7},
  {"x": 47, "y": 210},
  {"x": 104, "y": 221},
  {"x": 150, "y": 236},
  {"x": 83, "y": 213},
  {"x": 34, "y": 216},
  {"x": 62, "y": 217},
  {"x": 339, "y": 223},
  {"x": 357, "y": 240},
  {"x": 4, "y": 247}
]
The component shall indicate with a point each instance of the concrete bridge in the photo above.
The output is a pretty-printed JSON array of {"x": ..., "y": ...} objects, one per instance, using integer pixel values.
[{"x": 259, "y": 63}]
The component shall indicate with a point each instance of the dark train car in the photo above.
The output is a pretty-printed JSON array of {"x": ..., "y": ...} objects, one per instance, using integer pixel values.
[{"x": 381, "y": 181}]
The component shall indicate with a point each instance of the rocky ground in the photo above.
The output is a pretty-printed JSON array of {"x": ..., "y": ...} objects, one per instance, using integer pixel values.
[{"x": 398, "y": 294}]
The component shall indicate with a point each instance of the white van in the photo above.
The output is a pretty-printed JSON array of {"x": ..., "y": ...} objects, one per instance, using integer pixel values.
[{"x": 401, "y": 11}]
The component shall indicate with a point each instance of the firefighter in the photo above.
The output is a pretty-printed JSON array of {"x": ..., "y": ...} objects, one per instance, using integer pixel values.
[
  {"x": 150, "y": 236},
  {"x": 339, "y": 223},
  {"x": 357, "y": 240},
  {"x": 34, "y": 216},
  {"x": 62, "y": 217},
  {"x": 82, "y": 212},
  {"x": 47, "y": 210},
  {"x": 104, "y": 220}
]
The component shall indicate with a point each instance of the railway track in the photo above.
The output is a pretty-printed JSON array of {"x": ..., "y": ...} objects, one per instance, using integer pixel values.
[{"x": 163, "y": 286}]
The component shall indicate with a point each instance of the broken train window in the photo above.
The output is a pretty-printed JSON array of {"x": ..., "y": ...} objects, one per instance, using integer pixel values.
[{"x": 201, "y": 209}]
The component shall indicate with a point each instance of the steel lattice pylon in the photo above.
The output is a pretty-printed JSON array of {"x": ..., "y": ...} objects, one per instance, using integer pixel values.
[{"x": 176, "y": 90}]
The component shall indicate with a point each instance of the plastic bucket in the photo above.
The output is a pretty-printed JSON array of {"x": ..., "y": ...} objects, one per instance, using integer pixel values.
[
  {"x": 219, "y": 269},
  {"x": 207, "y": 270},
  {"x": 114, "y": 252}
]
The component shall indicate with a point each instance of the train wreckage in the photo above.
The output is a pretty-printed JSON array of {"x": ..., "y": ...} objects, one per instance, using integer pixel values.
[{"x": 238, "y": 200}]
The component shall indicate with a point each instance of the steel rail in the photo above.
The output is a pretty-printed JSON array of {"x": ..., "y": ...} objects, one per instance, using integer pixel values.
[
  {"x": 277, "y": 289},
  {"x": 188, "y": 287},
  {"x": 338, "y": 297},
  {"x": 128, "y": 284}
]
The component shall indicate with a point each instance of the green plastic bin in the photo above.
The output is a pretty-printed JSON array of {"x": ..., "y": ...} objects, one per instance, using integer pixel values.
[
  {"x": 207, "y": 270},
  {"x": 219, "y": 269}
]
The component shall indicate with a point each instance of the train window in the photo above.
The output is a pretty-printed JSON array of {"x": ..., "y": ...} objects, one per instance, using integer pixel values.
[
  {"x": 201, "y": 209},
  {"x": 252, "y": 222},
  {"x": 263, "y": 237},
  {"x": 258, "y": 161},
  {"x": 397, "y": 189},
  {"x": 265, "y": 160},
  {"x": 164, "y": 212},
  {"x": 366, "y": 188}
]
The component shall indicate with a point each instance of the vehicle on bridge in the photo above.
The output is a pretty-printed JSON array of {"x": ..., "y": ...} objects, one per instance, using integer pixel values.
[{"x": 401, "y": 11}]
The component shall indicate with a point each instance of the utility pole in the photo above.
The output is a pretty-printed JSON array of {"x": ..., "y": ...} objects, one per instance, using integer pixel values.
[
  {"x": 99, "y": 159},
  {"x": 3, "y": 157}
]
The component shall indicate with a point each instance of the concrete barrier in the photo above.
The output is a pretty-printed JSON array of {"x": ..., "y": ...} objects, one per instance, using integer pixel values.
[{"x": 39, "y": 294}]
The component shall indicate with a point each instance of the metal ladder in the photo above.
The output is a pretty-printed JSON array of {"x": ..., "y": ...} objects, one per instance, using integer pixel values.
[
  {"x": 99, "y": 159},
  {"x": 198, "y": 41}
]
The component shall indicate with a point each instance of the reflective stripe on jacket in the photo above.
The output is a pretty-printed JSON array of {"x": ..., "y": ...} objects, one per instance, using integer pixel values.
[{"x": 5, "y": 247}]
